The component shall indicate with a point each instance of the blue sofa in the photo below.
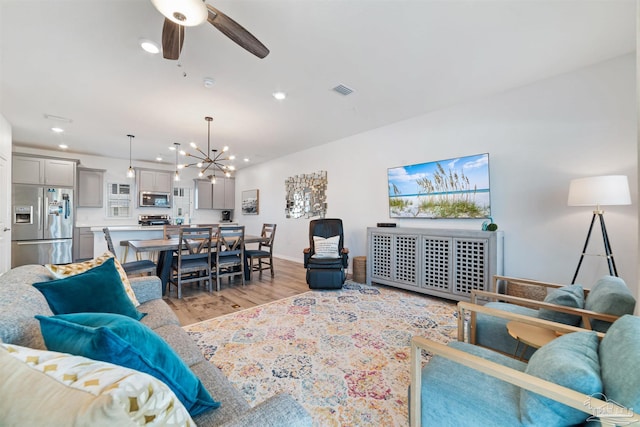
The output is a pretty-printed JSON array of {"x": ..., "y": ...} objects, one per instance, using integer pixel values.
[
  {"x": 569, "y": 381},
  {"x": 572, "y": 305}
]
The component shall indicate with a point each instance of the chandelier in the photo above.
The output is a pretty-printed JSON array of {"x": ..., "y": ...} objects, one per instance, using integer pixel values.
[{"x": 210, "y": 161}]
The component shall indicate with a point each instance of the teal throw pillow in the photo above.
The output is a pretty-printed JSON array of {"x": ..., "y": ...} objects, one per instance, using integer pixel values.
[
  {"x": 619, "y": 359},
  {"x": 126, "y": 342},
  {"x": 568, "y": 296},
  {"x": 98, "y": 290},
  {"x": 571, "y": 361},
  {"x": 610, "y": 295}
]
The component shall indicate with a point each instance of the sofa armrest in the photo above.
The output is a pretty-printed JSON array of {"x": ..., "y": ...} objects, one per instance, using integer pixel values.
[
  {"x": 146, "y": 288},
  {"x": 464, "y": 307},
  {"x": 586, "y": 315},
  {"x": 280, "y": 410},
  {"x": 548, "y": 389}
]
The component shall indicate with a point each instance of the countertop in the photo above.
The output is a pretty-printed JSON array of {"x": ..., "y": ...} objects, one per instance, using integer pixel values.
[{"x": 129, "y": 228}]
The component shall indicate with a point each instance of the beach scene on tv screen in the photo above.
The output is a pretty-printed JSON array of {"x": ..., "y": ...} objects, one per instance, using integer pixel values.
[{"x": 451, "y": 188}]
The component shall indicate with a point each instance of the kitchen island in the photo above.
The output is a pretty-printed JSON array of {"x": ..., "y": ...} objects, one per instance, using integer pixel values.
[{"x": 123, "y": 233}]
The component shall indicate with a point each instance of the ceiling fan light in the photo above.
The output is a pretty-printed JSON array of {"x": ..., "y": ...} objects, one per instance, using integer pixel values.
[{"x": 188, "y": 13}]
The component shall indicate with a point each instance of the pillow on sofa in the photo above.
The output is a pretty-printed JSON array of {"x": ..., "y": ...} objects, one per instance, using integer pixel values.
[
  {"x": 66, "y": 270},
  {"x": 571, "y": 361},
  {"x": 50, "y": 388},
  {"x": 326, "y": 248},
  {"x": 96, "y": 290},
  {"x": 122, "y": 341},
  {"x": 619, "y": 356},
  {"x": 568, "y": 296},
  {"x": 610, "y": 295}
]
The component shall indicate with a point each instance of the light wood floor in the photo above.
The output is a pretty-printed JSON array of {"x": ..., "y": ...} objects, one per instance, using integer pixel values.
[{"x": 197, "y": 304}]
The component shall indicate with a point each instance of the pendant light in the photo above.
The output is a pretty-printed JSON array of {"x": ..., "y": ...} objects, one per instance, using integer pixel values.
[
  {"x": 212, "y": 160},
  {"x": 130, "y": 173},
  {"x": 176, "y": 177}
]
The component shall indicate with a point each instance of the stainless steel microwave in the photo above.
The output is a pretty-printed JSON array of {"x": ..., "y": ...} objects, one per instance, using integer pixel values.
[{"x": 155, "y": 200}]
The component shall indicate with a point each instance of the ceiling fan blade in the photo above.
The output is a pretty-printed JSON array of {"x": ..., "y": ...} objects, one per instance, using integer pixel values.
[
  {"x": 172, "y": 39},
  {"x": 236, "y": 32}
]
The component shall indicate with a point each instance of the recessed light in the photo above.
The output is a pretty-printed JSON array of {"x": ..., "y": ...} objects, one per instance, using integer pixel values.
[
  {"x": 279, "y": 95},
  {"x": 57, "y": 129},
  {"x": 63, "y": 146},
  {"x": 149, "y": 46},
  {"x": 246, "y": 159},
  {"x": 159, "y": 159},
  {"x": 172, "y": 148}
]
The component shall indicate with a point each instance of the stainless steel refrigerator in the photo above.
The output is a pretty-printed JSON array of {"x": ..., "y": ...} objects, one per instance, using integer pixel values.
[{"x": 42, "y": 229}]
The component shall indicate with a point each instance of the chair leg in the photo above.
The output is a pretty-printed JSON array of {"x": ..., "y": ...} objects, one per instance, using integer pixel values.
[{"x": 271, "y": 266}]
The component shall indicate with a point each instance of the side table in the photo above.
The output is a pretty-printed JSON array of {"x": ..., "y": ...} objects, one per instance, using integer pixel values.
[{"x": 529, "y": 336}]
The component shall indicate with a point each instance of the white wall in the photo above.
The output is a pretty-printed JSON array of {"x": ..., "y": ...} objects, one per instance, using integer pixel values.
[
  {"x": 116, "y": 170},
  {"x": 539, "y": 137},
  {"x": 5, "y": 195}
]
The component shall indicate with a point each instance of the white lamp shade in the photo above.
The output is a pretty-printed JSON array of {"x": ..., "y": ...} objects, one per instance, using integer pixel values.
[
  {"x": 599, "y": 191},
  {"x": 184, "y": 12}
]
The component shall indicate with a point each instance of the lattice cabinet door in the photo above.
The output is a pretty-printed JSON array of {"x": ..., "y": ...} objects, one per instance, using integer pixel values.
[
  {"x": 436, "y": 263},
  {"x": 405, "y": 257},
  {"x": 470, "y": 265},
  {"x": 380, "y": 255}
]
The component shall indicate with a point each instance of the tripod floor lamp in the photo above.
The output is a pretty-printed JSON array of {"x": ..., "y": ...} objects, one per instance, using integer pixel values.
[{"x": 599, "y": 191}]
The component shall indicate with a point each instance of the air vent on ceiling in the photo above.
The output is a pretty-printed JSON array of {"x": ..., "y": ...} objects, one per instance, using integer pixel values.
[{"x": 343, "y": 90}]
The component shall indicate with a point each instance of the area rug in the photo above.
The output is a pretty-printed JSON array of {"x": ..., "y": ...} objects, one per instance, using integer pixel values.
[{"x": 343, "y": 355}]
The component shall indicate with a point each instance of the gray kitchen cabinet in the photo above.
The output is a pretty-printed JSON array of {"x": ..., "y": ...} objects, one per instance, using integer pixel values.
[
  {"x": 46, "y": 171},
  {"x": 90, "y": 188},
  {"x": 220, "y": 195},
  {"x": 154, "y": 180},
  {"x": 83, "y": 243},
  {"x": 441, "y": 262},
  {"x": 203, "y": 197}
]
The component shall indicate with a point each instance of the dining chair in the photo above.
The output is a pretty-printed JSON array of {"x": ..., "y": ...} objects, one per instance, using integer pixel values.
[
  {"x": 264, "y": 253},
  {"x": 144, "y": 266},
  {"x": 170, "y": 231},
  {"x": 229, "y": 255},
  {"x": 192, "y": 260}
]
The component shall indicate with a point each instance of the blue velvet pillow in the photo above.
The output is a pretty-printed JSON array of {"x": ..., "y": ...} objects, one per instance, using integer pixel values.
[
  {"x": 619, "y": 359},
  {"x": 568, "y": 296},
  {"x": 570, "y": 361},
  {"x": 126, "y": 342},
  {"x": 610, "y": 295},
  {"x": 98, "y": 290}
]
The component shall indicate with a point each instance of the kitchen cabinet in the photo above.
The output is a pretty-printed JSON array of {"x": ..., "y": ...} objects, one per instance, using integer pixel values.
[
  {"x": 440, "y": 262},
  {"x": 46, "y": 171},
  {"x": 156, "y": 181},
  {"x": 83, "y": 243},
  {"x": 90, "y": 188},
  {"x": 220, "y": 195}
]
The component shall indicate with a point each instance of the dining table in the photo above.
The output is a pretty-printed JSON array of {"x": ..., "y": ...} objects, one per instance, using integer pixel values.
[{"x": 166, "y": 247}]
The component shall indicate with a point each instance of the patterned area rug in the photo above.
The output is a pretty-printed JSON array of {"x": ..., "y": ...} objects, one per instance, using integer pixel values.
[{"x": 344, "y": 355}]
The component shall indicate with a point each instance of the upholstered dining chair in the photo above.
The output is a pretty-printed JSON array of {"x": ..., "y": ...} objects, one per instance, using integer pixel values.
[
  {"x": 264, "y": 253},
  {"x": 326, "y": 259},
  {"x": 229, "y": 254},
  {"x": 192, "y": 260},
  {"x": 144, "y": 266}
]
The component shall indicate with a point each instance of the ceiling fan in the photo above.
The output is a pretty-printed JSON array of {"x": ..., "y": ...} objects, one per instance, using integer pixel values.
[{"x": 189, "y": 13}]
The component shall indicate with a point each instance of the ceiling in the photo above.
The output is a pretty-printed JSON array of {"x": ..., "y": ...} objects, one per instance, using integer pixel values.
[{"x": 80, "y": 59}]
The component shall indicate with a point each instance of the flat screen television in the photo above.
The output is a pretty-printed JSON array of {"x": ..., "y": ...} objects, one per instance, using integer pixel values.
[{"x": 451, "y": 188}]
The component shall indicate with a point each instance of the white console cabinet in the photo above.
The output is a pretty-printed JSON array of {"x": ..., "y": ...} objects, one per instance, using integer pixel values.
[{"x": 447, "y": 263}]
